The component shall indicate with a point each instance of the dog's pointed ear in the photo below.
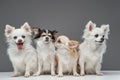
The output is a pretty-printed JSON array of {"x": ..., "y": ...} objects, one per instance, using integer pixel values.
[
  {"x": 27, "y": 28},
  {"x": 90, "y": 26},
  {"x": 8, "y": 30},
  {"x": 36, "y": 32},
  {"x": 106, "y": 30},
  {"x": 54, "y": 32}
]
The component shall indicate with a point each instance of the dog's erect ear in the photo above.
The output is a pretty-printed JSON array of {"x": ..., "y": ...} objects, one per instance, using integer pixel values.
[
  {"x": 90, "y": 26},
  {"x": 106, "y": 30},
  {"x": 27, "y": 28},
  {"x": 54, "y": 32},
  {"x": 8, "y": 30},
  {"x": 36, "y": 32}
]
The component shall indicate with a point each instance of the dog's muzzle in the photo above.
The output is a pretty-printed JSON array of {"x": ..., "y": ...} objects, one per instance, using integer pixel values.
[
  {"x": 102, "y": 39},
  {"x": 47, "y": 39},
  {"x": 20, "y": 44}
]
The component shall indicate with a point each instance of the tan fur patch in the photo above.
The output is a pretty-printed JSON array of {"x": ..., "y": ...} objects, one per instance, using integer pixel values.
[
  {"x": 56, "y": 60},
  {"x": 73, "y": 45},
  {"x": 35, "y": 30},
  {"x": 56, "y": 63}
]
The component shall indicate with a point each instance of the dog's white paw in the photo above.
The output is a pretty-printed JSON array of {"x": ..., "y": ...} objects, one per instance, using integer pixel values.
[
  {"x": 99, "y": 74},
  {"x": 76, "y": 74},
  {"x": 27, "y": 75},
  {"x": 53, "y": 73},
  {"x": 36, "y": 74},
  {"x": 15, "y": 75},
  {"x": 60, "y": 75},
  {"x": 82, "y": 74}
]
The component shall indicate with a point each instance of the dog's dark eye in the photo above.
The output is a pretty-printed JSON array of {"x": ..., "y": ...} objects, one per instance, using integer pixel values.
[
  {"x": 23, "y": 36},
  {"x": 50, "y": 35},
  {"x": 59, "y": 41},
  {"x": 43, "y": 35},
  {"x": 96, "y": 35},
  {"x": 15, "y": 37},
  {"x": 103, "y": 36}
]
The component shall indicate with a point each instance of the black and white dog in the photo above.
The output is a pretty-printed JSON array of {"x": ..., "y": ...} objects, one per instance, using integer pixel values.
[{"x": 46, "y": 50}]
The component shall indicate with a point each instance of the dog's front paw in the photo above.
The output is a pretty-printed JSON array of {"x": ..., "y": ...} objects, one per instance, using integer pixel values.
[
  {"x": 60, "y": 75},
  {"x": 99, "y": 74},
  {"x": 82, "y": 74},
  {"x": 53, "y": 73},
  {"x": 15, "y": 75},
  {"x": 76, "y": 74},
  {"x": 27, "y": 75},
  {"x": 36, "y": 74}
]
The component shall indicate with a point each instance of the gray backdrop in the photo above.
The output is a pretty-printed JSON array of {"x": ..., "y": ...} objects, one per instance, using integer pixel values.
[{"x": 68, "y": 17}]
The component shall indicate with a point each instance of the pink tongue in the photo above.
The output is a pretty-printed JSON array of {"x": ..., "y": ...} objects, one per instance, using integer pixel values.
[{"x": 20, "y": 47}]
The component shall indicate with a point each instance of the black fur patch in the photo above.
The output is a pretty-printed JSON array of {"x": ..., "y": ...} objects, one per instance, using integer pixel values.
[{"x": 36, "y": 36}]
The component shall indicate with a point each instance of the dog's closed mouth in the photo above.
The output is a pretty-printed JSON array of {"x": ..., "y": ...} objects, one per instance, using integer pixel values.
[{"x": 20, "y": 46}]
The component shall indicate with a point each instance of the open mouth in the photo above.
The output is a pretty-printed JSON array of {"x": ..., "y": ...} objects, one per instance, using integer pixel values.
[
  {"x": 100, "y": 42},
  {"x": 19, "y": 46}
]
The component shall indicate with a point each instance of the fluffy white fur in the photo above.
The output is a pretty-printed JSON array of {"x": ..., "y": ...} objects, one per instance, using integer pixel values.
[
  {"x": 67, "y": 62},
  {"x": 92, "y": 49},
  {"x": 46, "y": 57},
  {"x": 24, "y": 61}
]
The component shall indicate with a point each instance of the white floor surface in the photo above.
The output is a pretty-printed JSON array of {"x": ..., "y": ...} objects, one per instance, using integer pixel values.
[{"x": 108, "y": 75}]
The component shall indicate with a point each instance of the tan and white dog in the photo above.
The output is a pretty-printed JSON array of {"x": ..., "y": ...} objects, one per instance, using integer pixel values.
[{"x": 67, "y": 55}]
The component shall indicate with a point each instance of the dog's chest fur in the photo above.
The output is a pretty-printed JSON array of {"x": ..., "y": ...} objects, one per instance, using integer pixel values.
[
  {"x": 21, "y": 58},
  {"x": 67, "y": 60},
  {"x": 46, "y": 53},
  {"x": 92, "y": 54},
  {"x": 17, "y": 58}
]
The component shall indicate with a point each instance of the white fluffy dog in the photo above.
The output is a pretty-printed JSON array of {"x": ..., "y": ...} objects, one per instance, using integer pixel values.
[
  {"x": 21, "y": 53},
  {"x": 93, "y": 48},
  {"x": 67, "y": 55}
]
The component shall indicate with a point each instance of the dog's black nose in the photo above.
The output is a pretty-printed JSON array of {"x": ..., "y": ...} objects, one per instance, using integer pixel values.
[
  {"x": 102, "y": 39},
  {"x": 47, "y": 38},
  {"x": 19, "y": 40}
]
